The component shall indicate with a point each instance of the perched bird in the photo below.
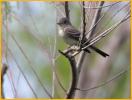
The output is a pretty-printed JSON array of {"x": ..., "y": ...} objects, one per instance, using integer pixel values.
[{"x": 71, "y": 35}]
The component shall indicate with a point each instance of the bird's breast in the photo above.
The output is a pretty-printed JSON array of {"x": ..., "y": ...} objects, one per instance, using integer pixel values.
[{"x": 61, "y": 32}]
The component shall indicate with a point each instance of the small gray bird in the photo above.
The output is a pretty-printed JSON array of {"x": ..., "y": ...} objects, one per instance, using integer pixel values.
[{"x": 71, "y": 35}]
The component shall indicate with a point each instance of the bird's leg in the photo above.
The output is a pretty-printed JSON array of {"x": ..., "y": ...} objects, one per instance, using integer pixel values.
[
  {"x": 72, "y": 50},
  {"x": 76, "y": 53},
  {"x": 76, "y": 50},
  {"x": 69, "y": 49}
]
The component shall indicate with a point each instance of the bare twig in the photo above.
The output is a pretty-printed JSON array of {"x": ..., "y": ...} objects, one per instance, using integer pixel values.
[
  {"x": 101, "y": 18},
  {"x": 101, "y": 6},
  {"x": 82, "y": 55},
  {"x": 84, "y": 25},
  {"x": 32, "y": 20},
  {"x": 106, "y": 32},
  {"x": 102, "y": 27},
  {"x": 58, "y": 9},
  {"x": 67, "y": 11},
  {"x": 84, "y": 21},
  {"x": 39, "y": 41},
  {"x": 96, "y": 17},
  {"x": 18, "y": 66},
  {"x": 30, "y": 63},
  {"x": 105, "y": 83},
  {"x": 11, "y": 81},
  {"x": 59, "y": 82},
  {"x": 81, "y": 58},
  {"x": 72, "y": 61},
  {"x": 54, "y": 64},
  {"x": 55, "y": 75}
]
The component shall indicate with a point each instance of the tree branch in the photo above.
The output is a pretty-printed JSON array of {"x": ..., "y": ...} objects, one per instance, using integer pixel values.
[
  {"x": 72, "y": 61},
  {"x": 67, "y": 10},
  {"x": 82, "y": 54},
  {"x": 84, "y": 25},
  {"x": 103, "y": 34},
  {"x": 81, "y": 58}
]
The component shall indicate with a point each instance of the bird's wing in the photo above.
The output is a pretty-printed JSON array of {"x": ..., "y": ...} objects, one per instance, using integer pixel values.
[{"x": 72, "y": 33}]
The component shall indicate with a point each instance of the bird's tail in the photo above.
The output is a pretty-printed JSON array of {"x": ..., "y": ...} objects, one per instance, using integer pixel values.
[{"x": 99, "y": 51}]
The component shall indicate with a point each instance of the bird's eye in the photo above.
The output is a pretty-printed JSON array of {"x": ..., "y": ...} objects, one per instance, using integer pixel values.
[{"x": 64, "y": 21}]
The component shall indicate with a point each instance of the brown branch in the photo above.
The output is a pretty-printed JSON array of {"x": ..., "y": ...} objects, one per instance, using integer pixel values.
[
  {"x": 103, "y": 34},
  {"x": 84, "y": 25},
  {"x": 67, "y": 10},
  {"x": 82, "y": 55},
  {"x": 99, "y": 20},
  {"x": 72, "y": 61},
  {"x": 102, "y": 27},
  {"x": 84, "y": 20},
  {"x": 4, "y": 70},
  {"x": 81, "y": 58}
]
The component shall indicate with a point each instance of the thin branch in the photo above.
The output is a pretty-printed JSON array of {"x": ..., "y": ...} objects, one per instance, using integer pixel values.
[
  {"x": 11, "y": 82},
  {"x": 41, "y": 44},
  {"x": 67, "y": 11},
  {"x": 54, "y": 64},
  {"x": 84, "y": 25},
  {"x": 82, "y": 55},
  {"x": 53, "y": 60},
  {"x": 59, "y": 82},
  {"x": 30, "y": 63},
  {"x": 18, "y": 66},
  {"x": 81, "y": 58},
  {"x": 112, "y": 17},
  {"x": 18, "y": 79},
  {"x": 106, "y": 32},
  {"x": 32, "y": 20},
  {"x": 84, "y": 21},
  {"x": 72, "y": 61},
  {"x": 100, "y": 19},
  {"x": 96, "y": 18},
  {"x": 54, "y": 74},
  {"x": 39, "y": 41},
  {"x": 101, "y": 6},
  {"x": 59, "y": 10},
  {"x": 105, "y": 83}
]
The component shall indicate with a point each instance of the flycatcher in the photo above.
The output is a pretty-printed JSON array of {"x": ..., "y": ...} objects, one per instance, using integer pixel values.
[{"x": 71, "y": 36}]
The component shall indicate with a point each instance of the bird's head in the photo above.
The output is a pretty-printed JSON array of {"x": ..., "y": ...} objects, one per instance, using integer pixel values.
[{"x": 64, "y": 21}]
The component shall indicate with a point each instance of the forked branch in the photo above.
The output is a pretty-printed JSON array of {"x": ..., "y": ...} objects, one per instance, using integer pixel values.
[{"x": 71, "y": 91}]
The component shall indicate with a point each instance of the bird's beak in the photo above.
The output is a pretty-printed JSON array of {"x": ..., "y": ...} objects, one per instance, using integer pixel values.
[{"x": 58, "y": 23}]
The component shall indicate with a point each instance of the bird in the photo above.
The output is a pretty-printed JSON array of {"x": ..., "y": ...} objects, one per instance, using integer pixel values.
[{"x": 71, "y": 36}]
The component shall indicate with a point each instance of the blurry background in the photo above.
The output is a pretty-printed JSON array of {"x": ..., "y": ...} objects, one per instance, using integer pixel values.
[{"x": 30, "y": 45}]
